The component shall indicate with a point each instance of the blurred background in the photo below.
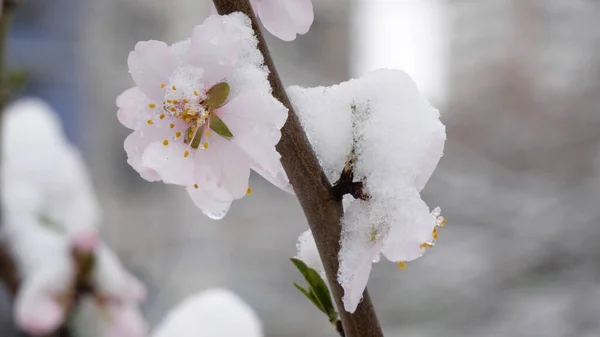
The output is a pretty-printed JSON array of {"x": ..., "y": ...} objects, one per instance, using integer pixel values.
[{"x": 518, "y": 86}]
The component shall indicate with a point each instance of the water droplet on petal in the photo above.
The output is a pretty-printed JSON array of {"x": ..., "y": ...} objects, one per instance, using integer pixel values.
[{"x": 216, "y": 215}]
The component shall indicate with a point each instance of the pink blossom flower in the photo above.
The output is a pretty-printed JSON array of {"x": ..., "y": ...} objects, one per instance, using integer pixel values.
[
  {"x": 285, "y": 18},
  {"x": 203, "y": 115}
]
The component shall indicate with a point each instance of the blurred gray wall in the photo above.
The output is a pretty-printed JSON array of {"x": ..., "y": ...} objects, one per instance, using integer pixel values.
[{"x": 519, "y": 178}]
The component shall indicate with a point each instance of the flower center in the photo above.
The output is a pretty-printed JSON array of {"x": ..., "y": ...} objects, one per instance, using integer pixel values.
[
  {"x": 196, "y": 109},
  {"x": 189, "y": 106}
]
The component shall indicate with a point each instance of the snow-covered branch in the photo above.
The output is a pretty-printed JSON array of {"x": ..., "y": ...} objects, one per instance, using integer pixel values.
[{"x": 312, "y": 188}]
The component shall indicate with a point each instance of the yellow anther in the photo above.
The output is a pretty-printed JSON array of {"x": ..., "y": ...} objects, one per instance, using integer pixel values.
[
  {"x": 195, "y": 93},
  {"x": 207, "y": 133},
  {"x": 185, "y": 101},
  {"x": 195, "y": 185},
  {"x": 186, "y": 154},
  {"x": 165, "y": 142},
  {"x": 442, "y": 223},
  {"x": 162, "y": 116},
  {"x": 152, "y": 105},
  {"x": 249, "y": 191},
  {"x": 435, "y": 233},
  {"x": 175, "y": 102},
  {"x": 177, "y": 134},
  {"x": 174, "y": 87},
  {"x": 426, "y": 245},
  {"x": 205, "y": 145},
  {"x": 171, "y": 125},
  {"x": 373, "y": 235},
  {"x": 402, "y": 265},
  {"x": 163, "y": 85},
  {"x": 169, "y": 101},
  {"x": 173, "y": 109},
  {"x": 150, "y": 122}
]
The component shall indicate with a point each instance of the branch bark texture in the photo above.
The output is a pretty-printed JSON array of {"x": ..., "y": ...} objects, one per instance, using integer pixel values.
[{"x": 312, "y": 188}]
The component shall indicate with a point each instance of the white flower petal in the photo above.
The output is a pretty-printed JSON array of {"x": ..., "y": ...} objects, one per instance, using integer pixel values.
[
  {"x": 133, "y": 108},
  {"x": 134, "y": 145},
  {"x": 206, "y": 199},
  {"x": 279, "y": 179},
  {"x": 410, "y": 226},
  {"x": 169, "y": 162},
  {"x": 113, "y": 280},
  {"x": 285, "y": 18},
  {"x": 359, "y": 267},
  {"x": 224, "y": 165},
  {"x": 215, "y": 47},
  {"x": 362, "y": 232},
  {"x": 256, "y": 112},
  {"x": 150, "y": 64}
]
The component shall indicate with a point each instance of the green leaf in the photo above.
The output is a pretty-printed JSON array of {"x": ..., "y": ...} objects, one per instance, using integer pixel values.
[
  {"x": 88, "y": 263},
  {"x": 196, "y": 141},
  {"x": 17, "y": 78},
  {"x": 317, "y": 287},
  {"x": 218, "y": 126},
  {"x": 311, "y": 297},
  {"x": 48, "y": 222},
  {"x": 217, "y": 95}
]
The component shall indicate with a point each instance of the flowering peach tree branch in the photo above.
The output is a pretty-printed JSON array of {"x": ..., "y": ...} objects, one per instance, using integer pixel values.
[{"x": 312, "y": 188}]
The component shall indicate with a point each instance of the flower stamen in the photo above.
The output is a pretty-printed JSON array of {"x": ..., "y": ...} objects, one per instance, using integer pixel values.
[{"x": 427, "y": 244}]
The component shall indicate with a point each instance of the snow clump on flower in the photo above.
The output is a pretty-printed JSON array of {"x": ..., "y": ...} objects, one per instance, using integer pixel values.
[
  {"x": 392, "y": 138},
  {"x": 211, "y": 313}
]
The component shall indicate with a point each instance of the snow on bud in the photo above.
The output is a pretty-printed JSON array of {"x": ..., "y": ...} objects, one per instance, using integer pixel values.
[
  {"x": 50, "y": 220},
  {"x": 308, "y": 253},
  {"x": 44, "y": 175},
  {"x": 211, "y": 313},
  {"x": 395, "y": 140},
  {"x": 203, "y": 115}
]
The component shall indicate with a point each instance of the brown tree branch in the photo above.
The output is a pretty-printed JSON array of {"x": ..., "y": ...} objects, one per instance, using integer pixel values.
[{"x": 312, "y": 188}]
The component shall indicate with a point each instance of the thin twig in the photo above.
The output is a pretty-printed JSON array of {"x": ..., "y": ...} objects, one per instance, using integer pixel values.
[
  {"x": 346, "y": 184},
  {"x": 312, "y": 188}
]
